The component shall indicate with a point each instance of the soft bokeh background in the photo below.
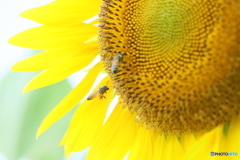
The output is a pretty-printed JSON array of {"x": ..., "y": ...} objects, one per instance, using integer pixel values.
[{"x": 21, "y": 114}]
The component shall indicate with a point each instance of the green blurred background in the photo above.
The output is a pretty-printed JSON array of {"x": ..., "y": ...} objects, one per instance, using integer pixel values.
[{"x": 21, "y": 115}]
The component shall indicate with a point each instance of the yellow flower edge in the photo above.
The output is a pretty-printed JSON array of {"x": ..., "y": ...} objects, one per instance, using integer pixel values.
[{"x": 63, "y": 36}]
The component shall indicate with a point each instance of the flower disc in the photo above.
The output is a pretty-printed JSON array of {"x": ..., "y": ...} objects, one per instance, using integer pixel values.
[{"x": 180, "y": 66}]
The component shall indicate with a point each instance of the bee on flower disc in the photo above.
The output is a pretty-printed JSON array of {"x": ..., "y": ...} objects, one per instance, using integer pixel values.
[{"x": 117, "y": 59}]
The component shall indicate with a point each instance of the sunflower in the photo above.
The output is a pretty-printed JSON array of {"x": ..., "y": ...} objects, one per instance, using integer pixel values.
[{"x": 172, "y": 65}]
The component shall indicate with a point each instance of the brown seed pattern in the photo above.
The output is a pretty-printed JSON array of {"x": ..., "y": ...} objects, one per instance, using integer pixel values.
[{"x": 181, "y": 65}]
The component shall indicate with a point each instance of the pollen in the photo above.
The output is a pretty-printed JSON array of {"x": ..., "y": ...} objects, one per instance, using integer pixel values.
[{"x": 180, "y": 65}]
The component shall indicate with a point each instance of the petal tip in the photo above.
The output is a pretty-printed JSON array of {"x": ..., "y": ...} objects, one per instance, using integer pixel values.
[
  {"x": 12, "y": 40},
  {"x": 39, "y": 132},
  {"x": 15, "y": 67},
  {"x": 24, "y": 14},
  {"x": 25, "y": 90}
]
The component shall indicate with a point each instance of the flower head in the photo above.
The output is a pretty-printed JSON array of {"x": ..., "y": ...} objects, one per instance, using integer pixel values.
[{"x": 174, "y": 64}]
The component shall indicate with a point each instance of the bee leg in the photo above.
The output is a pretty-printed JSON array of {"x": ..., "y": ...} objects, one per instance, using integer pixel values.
[{"x": 103, "y": 97}]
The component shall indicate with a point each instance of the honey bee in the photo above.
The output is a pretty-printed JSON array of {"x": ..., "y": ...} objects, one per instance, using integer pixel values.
[
  {"x": 117, "y": 59},
  {"x": 98, "y": 93}
]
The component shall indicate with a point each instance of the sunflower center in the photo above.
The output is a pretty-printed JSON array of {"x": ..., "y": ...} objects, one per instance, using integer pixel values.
[{"x": 175, "y": 64}]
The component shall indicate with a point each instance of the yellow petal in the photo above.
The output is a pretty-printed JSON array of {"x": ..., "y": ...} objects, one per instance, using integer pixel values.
[
  {"x": 172, "y": 148},
  {"x": 187, "y": 141},
  {"x": 158, "y": 147},
  {"x": 86, "y": 122},
  {"x": 71, "y": 99},
  {"x": 115, "y": 138},
  {"x": 211, "y": 141},
  {"x": 47, "y": 37},
  {"x": 59, "y": 71},
  {"x": 51, "y": 57},
  {"x": 142, "y": 147},
  {"x": 92, "y": 40},
  {"x": 233, "y": 137},
  {"x": 63, "y": 13}
]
